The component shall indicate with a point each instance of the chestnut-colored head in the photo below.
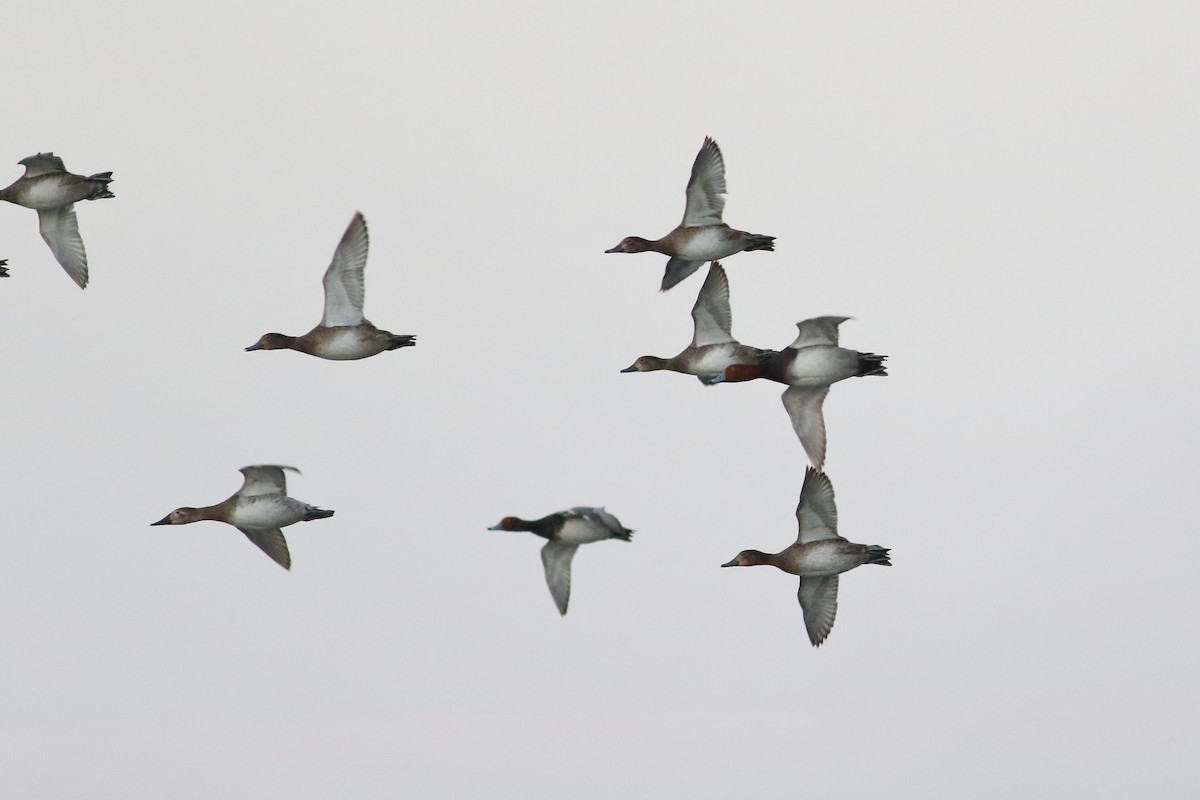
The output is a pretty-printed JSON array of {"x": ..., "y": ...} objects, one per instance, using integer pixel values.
[
  {"x": 180, "y": 516},
  {"x": 631, "y": 244},
  {"x": 510, "y": 524},
  {"x": 748, "y": 558},
  {"x": 272, "y": 341},
  {"x": 646, "y": 364}
]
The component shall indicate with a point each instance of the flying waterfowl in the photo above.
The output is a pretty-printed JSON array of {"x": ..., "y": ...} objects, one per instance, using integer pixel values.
[
  {"x": 47, "y": 187},
  {"x": 818, "y": 556},
  {"x": 809, "y": 366},
  {"x": 259, "y": 509},
  {"x": 344, "y": 334},
  {"x": 565, "y": 531},
  {"x": 703, "y": 235},
  {"x": 713, "y": 347}
]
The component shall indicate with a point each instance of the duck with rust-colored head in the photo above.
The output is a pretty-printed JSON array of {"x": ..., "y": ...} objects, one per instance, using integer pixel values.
[
  {"x": 818, "y": 556},
  {"x": 259, "y": 509},
  {"x": 564, "y": 532},
  {"x": 47, "y": 187},
  {"x": 809, "y": 366},
  {"x": 344, "y": 334},
  {"x": 703, "y": 235},
  {"x": 713, "y": 347}
]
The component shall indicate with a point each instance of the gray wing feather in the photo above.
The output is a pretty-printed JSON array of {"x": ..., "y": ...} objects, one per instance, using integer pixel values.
[
  {"x": 818, "y": 330},
  {"x": 711, "y": 316},
  {"x": 818, "y": 599},
  {"x": 816, "y": 513},
  {"x": 272, "y": 543},
  {"x": 264, "y": 479},
  {"x": 705, "y": 203},
  {"x": 42, "y": 164},
  {"x": 60, "y": 229},
  {"x": 803, "y": 405},
  {"x": 556, "y": 559},
  {"x": 344, "y": 288}
]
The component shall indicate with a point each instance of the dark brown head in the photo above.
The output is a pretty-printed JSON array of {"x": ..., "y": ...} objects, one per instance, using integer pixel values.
[
  {"x": 273, "y": 341},
  {"x": 631, "y": 244},
  {"x": 646, "y": 364},
  {"x": 748, "y": 558},
  {"x": 180, "y": 516}
]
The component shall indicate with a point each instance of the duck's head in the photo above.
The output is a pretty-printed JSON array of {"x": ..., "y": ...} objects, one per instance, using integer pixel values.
[
  {"x": 747, "y": 558},
  {"x": 646, "y": 364},
  {"x": 180, "y": 516},
  {"x": 631, "y": 244},
  {"x": 272, "y": 341}
]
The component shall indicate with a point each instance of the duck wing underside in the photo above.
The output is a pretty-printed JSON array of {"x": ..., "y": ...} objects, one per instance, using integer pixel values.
[
  {"x": 556, "y": 559},
  {"x": 818, "y": 599},
  {"x": 272, "y": 543}
]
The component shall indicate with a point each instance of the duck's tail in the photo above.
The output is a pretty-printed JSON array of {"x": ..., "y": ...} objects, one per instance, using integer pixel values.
[
  {"x": 316, "y": 513},
  {"x": 879, "y": 555},
  {"x": 401, "y": 340},
  {"x": 101, "y": 191},
  {"x": 3, "y": 270},
  {"x": 871, "y": 364},
  {"x": 756, "y": 241}
]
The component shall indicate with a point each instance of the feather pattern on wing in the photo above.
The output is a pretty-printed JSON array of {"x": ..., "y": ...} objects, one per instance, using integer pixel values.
[
  {"x": 344, "y": 289},
  {"x": 60, "y": 229},
  {"x": 711, "y": 315},
  {"x": 705, "y": 203}
]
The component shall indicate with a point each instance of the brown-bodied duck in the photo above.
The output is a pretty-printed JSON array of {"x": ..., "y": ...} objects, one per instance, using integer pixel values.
[
  {"x": 713, "y": 347},
  {"x": 809, "y": 366},
  {"x": 565, "y": 531},
  {"x": 344, "y": 333},
  {"x": 818, "y": 556},
  {"x": 47, "y": 187},
  {"x": 259, "y": 509},
  {"x": 703, "y": 235}
]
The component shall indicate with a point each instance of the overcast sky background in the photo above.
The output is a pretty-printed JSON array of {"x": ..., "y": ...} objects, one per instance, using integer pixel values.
[{"x": 1003, "y": 195}]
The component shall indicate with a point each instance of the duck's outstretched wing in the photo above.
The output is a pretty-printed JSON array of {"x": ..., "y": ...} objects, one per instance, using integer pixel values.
[
  {"x": 816, "y": 513},
  {"x": 344, "y": 288},
  {"x": 818, "y": 330},
  {"x": 272, "y": 543},
  {"x": 705, "y": 203},
  {"x": 711, "y": 316},
  {"x": 264, "y": 479},
  {"x": 818, "y": 599},
  {"x": 42, "y": 164},
  {"x": 804, "y": 408},
  {"x": 60, "y": 229},
  {"x": 556, "y": 558}
]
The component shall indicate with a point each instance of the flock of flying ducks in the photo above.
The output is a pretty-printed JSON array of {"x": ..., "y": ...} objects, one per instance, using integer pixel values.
[{"x": 808, "y": 367}]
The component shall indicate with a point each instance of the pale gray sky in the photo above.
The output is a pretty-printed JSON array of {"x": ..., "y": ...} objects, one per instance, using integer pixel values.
[{"x": 1005, "y": 197}]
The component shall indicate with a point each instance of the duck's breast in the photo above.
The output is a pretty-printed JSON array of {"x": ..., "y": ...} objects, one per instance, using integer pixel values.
[{"x": 346, "y": 343}]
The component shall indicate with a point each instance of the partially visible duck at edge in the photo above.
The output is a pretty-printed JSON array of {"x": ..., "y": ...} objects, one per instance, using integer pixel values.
[
  {"x": 3, "y": 268},
  {"x": 713, "y": 347},
  {"x": 259, "y": 509},
  {"x": 702, "y": 236},
  {"x": 818, "y": 556},
  {"x": 344, "y": 334},
  {"x": 47, "y": 187},
  {"x": 809, "y": 366},
  {"x": 565, "y": 531}
]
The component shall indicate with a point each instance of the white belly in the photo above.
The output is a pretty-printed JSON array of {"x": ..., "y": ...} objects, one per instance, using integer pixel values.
[
  {"x": 822, "y": 365},
  {"x": 708, "y": 244},
  {"x": 47, "y": 193},
  {"x": 582, "y": 531},
  {"x": 348, "y": 344},
  {"x": 266, "y": 513}
]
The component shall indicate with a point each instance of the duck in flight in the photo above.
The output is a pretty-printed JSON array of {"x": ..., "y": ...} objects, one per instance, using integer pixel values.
[
  {"x": 713, "y": 347},
  {"x": 344, "y": 334},
  {"x": 564, "y": 532},
  {"x": 818, "y": 556},
  {"x": 809, "y": 366},
  {"x": 47, "y": 187},
  {"x": 703, "y": 235},
  {"x": 259, "y": 509}
]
